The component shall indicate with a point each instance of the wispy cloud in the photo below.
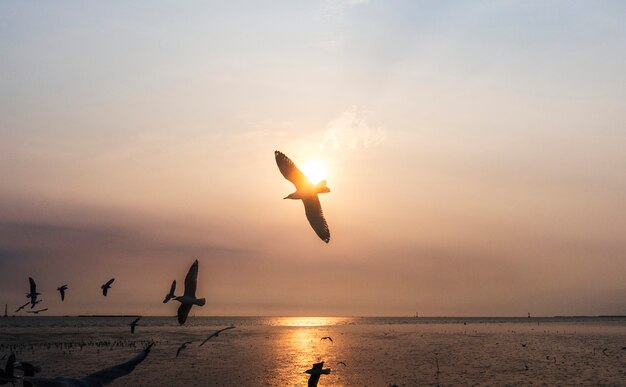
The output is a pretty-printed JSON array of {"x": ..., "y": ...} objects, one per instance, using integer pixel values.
[{"x": 352, "y": 130}]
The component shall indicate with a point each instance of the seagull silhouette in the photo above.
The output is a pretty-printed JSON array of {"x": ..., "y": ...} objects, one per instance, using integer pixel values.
[
  {"x": 62, "y": 290},
  {"x": 316, "y": 372},
  {"x": 327, "y": 338},
  {"x": 216, "y": 334},
  {"x": 97, "y": 379},
  {"x": 307, "y": 192},
  {"x": 33, "y": 291},
  {"x": 170, "y": 295},
  {"x": 188, "y": 299},
  {"x": 184, "y": 346},
  {"x": 134, "y": 324},
  {"x": 107, "y": 286},
  {"x": 21, "y": 307},
  {"x": 37, "y": 311}
]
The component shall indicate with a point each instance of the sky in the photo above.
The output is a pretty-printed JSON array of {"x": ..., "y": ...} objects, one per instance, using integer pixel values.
[{"x": 474, "y": 151}]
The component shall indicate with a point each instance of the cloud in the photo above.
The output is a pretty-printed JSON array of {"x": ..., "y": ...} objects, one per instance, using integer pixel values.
[{"x": 352, "y": 130}]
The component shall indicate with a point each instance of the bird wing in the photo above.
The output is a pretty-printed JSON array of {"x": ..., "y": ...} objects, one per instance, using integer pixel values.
[
  {"x": 108, "y": 375},
  {"x": 315, "y": 215},
  {"x": 313, "y": 380},
  {"x": 22, "y": 307},
  {"x": 62, "y": 291},
  {"x": 33, "y": 286},
  {"x": 105, "y": 290},
  {"x": 191, "y": 280},
  {"x": 183, "y": 312},
  {"x": 179, "y": 349},
  {"x": 290, "y": 171},
  {"x": 173, "y": 288},
  {"x": 207, "y": 339},
  {"x": 110, "y": 282}
]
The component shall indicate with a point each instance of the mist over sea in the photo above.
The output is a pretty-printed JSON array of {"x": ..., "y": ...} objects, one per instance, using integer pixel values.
[{"x": 377, "y": 351}]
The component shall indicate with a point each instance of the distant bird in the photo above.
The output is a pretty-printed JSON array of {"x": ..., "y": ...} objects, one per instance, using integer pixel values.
[
  {"x": 134, "y": 324},
  {"x": 216, "y": 334},
  {"x": 327, "y": 338},
  {"x": 62, "y": 290},
  {"x": 97, "y": 379},
  {"x": 307, "y": 192},
  {"x": 344, "y": 364},
  {"x": 37, "y": 311},
  {"x": 316, "y": 372},
  {"x": 22, "y": 307},
  {"x": 604, "y": 351},
  {"x": 188, "y": 299},
  {"x": 33, "y": 291},
  {"x": 524, "y": 344},
  {"x": 170, "y": 295},
  {"x": 184, "y": 346},
  {"x": 6, "y": 374},
  {"x": 107, "y": 286}
]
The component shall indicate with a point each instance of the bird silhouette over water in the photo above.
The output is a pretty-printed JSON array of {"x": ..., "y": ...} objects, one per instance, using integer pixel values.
[
  {"x": 327, "y": 338},
  {"x": 183, "y": 346},
  {"x": 216, "y": 334},
  {"x": 307, "y": 192},
  {"x": 188, "y": 299},
  {"x": 170, "y": 295},
  {"x": 134, "y": 324},
  {"x": 33, "y": 292},
  {"x": 62, "y": 290},
  {"x": 107, "y": 286},
  {"x": 316, "y": 372},
  {"x": 21, "y": 307},
  {"x": 97, "y": 379}
]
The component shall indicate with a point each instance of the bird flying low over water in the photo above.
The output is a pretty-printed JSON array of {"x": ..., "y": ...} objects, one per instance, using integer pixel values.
[
  {"x": 21, "y": 307},
  {"x": 33, "y": 291},
  {"x": 183, "y": 346},
  {"x": 188, "y": 299},
  {"x": 62, "y": 290},
  {"x": 97, "y": 379},
  {"x": 307, "y": 192},
  {"x": 134, "y": 324},
  {"x": 327, "y": 338},
  {"x": 170, "y": 295},
  {"x": 107, "y": 286},
  {"x": 37, "y": 311},
  {"x": 216, "y": 334},
  {"x": 316, "y": 372}
]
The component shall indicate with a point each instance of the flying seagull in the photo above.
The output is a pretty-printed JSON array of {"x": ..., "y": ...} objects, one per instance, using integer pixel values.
[
  {"x": 216, "y": 334},
  {"x": 37, "y": 311},
  {"x": 188, "y": 299},
  {"x": 134, "y": 324},
  {"x": 170, "y": 295},
  {"x": 22, "y": 307},
  {"x": 182, "y": 347},
  {"x": 6, "y": 374},
  {"x": 327, "y": 338},
  {"x": 96, "y": 379},
  {"x": 62, "y": 290},
  {"x": 316, "y": 372},
  {"x": 307, "y": 192},
  {"x": 107, "y": 286},
  {"x": 33, "y": 291}
]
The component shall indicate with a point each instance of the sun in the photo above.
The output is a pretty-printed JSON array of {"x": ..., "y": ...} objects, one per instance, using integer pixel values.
[{"x": 315, "y": 171}]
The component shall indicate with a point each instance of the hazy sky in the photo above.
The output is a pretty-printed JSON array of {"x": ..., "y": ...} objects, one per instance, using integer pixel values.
[{"x": 476, "y": 153}]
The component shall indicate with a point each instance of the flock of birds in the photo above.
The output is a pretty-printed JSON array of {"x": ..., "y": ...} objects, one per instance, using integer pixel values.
[{"x": 305, "y": 191}]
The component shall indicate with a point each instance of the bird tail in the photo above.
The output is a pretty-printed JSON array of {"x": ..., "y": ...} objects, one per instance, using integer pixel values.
[
  {"x": 321, "y": 187},
  {"x": 200, "y": 301}
]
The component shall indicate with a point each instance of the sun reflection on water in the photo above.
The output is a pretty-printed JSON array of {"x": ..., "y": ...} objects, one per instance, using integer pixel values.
[{"x": 308, "y": 321}]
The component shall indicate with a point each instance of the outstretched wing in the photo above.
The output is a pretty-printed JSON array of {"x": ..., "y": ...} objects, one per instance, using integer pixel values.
[
  {"x": 183, "y": 312},
  {"x": 62, "y": 291},
  {"x": 108, "y": 375},
  {"x": 314, "y": 214},
  {"x": 207, "y": 339},
  {"x": 191, "y": 280},
  {"x": 173, "y": 288},
  {"x": 33, "y": 286},
  {"x": 290, "y": 171},
  {"x": 110, "y": 282}
]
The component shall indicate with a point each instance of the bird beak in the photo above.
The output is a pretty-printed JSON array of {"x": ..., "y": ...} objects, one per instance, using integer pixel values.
[{"x": 286, "y": 197}]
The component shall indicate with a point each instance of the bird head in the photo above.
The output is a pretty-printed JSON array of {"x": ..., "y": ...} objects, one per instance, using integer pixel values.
[{"x": 290, "y": 196}]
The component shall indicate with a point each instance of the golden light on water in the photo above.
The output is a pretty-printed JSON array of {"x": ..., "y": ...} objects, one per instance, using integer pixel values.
[
  {"x": 315, "y": 170},
  {"x": 308, "y": 321}
]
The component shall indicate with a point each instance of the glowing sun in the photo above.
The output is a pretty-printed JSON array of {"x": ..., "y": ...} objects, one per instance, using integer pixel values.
[{"x": 314, "y": 170}]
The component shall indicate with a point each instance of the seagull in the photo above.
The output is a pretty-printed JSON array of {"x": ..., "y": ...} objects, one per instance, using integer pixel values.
[
  {"x": 316, "y": 372},
  {"x": 344, "y": 364},
  {"x": 170, "y": 295},
  {"x": 134, "y": 324},
  {"x": 307, "y": 192},
  {"x": 37, "y": 311},
  {"x": 182, "y": 347},
  {"x": 33, "y": 291},
  {"x": 327, "y": 338},
  {"x": 524, "y": 344},
  {"x": 62, "y": 290},
  {"x": 189, "y": 299},
  {"x": 96, "y": 379},
  {"x": 22, "y": 307},
  {"x": 6, "y": 374},
  {"x": 216, "y": 334},
  {"x": 107, "y": 286}
]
